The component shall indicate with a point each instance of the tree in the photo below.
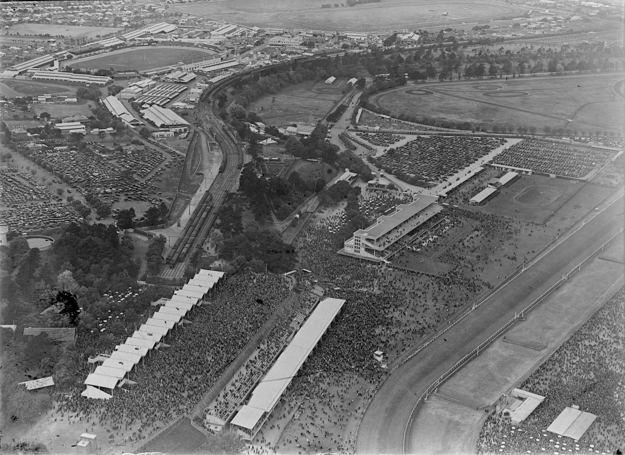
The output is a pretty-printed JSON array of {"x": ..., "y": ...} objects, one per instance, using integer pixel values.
[
  {"x": 152, "y": 216},
  {"x": 144, "y": 133},
  {"x": 44, "y": 116},
  {"x": 103, "y": 210}
]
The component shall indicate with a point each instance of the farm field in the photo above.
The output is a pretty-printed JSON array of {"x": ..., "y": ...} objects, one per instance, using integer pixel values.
[
  {"x": 142, "y": 59},
  {"x": 393, "y": 14},
  {"x": 53, "y": 30},
  {"x": 587, "y": 101},
  {"x": 301, "y": 103},
  {"x": 20, "y": 88}
]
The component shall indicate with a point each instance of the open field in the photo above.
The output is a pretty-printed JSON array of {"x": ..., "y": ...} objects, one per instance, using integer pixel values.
[
  {"x": 526, "y": 199},
  {"x": 32, "y": 88},
  {"x": 393, "y": 14},
  {"x": 53, "y": 30},
  {"x": 301, "y": 103},
  {"x": 58, "y": 111},
  {"x": 142, "y": 59},
  {"x": 582, "y": 103}
]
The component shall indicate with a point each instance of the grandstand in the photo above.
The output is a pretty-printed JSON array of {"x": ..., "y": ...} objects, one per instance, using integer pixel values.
[
  {"x": 116, "y": 367},
  {"x": 57, "y": 76},
  {"x": 251, "y": 417},
  {"x": 373, "y": 242},
  {"x": 161, "y": 27},
  {"x": 116, "y": 108},
  {"x": 218, "y": 66},
  {"x": 484, "y": 196}
]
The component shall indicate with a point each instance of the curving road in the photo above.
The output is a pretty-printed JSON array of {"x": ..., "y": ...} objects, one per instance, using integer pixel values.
[{"x": 387, "y": 423}]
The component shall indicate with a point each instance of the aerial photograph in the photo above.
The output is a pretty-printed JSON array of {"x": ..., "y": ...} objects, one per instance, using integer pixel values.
[{"x": 292, "y": 227}]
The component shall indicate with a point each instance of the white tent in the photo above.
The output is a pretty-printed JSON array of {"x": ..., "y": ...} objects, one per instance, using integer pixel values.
[
  {"x": 140, "y": 342},
  {"x": 211, "y": 272},
  {"x": 184, "y": 299},
  {"x": 118, "y": 363},
  {"x": 179, "y": 305},
  {"x": 132, "y": 349},
  {"x": 194, "y": 288},
  {"x": 126, "y": 357},
  {"x": 92, "y": 392},
  {"x": 204, "y": 285}
]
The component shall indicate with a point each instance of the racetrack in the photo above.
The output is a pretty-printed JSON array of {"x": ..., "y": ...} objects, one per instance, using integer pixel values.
[{"x": 388, "y": 416}]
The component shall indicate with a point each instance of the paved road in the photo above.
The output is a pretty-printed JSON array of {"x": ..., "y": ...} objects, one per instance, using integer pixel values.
[{"x": 385, "y": 421}]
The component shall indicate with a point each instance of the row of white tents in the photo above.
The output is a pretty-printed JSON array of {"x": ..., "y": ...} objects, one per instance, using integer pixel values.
[{"x": 115, "y": 368}]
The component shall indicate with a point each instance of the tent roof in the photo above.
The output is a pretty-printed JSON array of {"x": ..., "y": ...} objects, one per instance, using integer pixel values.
[
  {"x": 196, "y": 294},
  {"x": 572, "y": 423},
  {"x": 184, "y": 299},
  {"x": 160, "y": 323},
  {"x": 92, "y": 392},
  {"x": 179, "y": 305},
  {"x": 98, "y": 380},
  {"x": 211, "y": 272},
  {"x": 173, "y": 310},
  {"x": 194, "y": 288},
  {"x": 156, "y": 337},
  {"x": 38, "y": 383}
]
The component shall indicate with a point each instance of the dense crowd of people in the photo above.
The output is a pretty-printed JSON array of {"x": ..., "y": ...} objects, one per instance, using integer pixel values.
[
  {"x": 381, "y": 139},
  {"x": 552, "y": 158},
  {"x": 433, "y": 158},
  {"x": 171, "y": 381},
  {"x": 587, "y": 370}
]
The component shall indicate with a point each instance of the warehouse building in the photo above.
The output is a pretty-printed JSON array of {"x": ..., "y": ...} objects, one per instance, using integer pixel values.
[
  {"x": 118, "y": 109},
  {"x": 165, "y": 118},
  {"x": 86, "y": 79}
]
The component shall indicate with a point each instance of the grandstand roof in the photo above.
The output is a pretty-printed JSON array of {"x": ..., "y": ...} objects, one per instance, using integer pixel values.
[
  {"x": 92, "y": 392},
  {"x": 211, "y": 273},
  {"x": 141, "y": 342},
  {"x": 520, "y": 410},
  {"x": 247, "y": 417},
  {"x": 194, "y": 287},
  {"x": 270, "y": 389},
  {"x": 172, "y": 310},
  {"x": 118, "y": 373},
  {"x": 167, "y": 316},
  {"x": 156, "y": 337},
  {"x": 161, "y": 27},
  {"x": 70, "y": 77},
  {"x": 187, "y": 293},
  {"x": 160, "y": 323},
  {"x": 572, "y": 423},
  {"x": 126, "y": 356},
  {"x": 98, "y": 380},
  {"x": 403, "y": 213},
  {"x": 163, "y": 117},
  {"x": 219, "y": 66},
  {"x": 34, "y": 63},
  {"x": 132, "y": 349},
  {"x": 184, "y": 299},
  {"x": 118, "y": 363},
  {"x": 179, "y": 305},
  {"x": 482, "y": 195},
  {"x": 508, "y": 177}
]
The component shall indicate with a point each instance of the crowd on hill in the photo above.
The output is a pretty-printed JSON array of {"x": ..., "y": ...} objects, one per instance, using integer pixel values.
[
  {"x": 587, "y": 371},
  {"x": 172, "y": 380}
]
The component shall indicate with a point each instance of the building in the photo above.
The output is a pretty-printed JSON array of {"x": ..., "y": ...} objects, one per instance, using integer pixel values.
[
  {"x": 508, "y": 179},
  {"x": 381, "y": 184},
  {"x": 163, "y": 134},
  {"x": 117, "y": 108},
  {"x": 330, "y": 80},
  {"x": 521, "y": 404},
  {"x": 373, "y": 242},
  {"x": 484, "y": 196},
  {"x": 349, "y": 177},
  {"x": 266, "y": 395},
  {"x": 408, "y": 39},
  {"x": 285, "y": 41},
  {"x": 201, "y": 64},
  {"x": 165, "y": 118},
  {"x": 221, "y": 66},
  {"x": 71, "y": 128},
  {"x": 352, "y": 81}
]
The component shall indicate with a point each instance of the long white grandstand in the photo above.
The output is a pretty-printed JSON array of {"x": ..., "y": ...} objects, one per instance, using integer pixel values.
[
  {"x": 251, "y": 417},
  {"x": 373, "y": 243},
  {"x": 57, "y": 76},
  {"x": 161, "y": 27},
  {"x": 115, "y": 368}
]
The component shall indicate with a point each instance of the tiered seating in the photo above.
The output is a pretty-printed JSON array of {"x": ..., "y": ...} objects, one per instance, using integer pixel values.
[{"x": 552, "y": 158}]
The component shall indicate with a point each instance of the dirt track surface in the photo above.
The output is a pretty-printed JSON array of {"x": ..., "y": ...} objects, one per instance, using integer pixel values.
[{"x": 388, "y": 416}]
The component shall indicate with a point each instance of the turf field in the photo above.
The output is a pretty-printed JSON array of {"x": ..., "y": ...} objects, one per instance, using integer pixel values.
[
  {"x": 583, "y": 103},
  {"x": 142, "y": 59},
  {"x": 389, "y": 14},
  {"x": 301, "y": 103},
  {"x": 33, "y": 88},
  {"x": 60, "y": 29}
]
